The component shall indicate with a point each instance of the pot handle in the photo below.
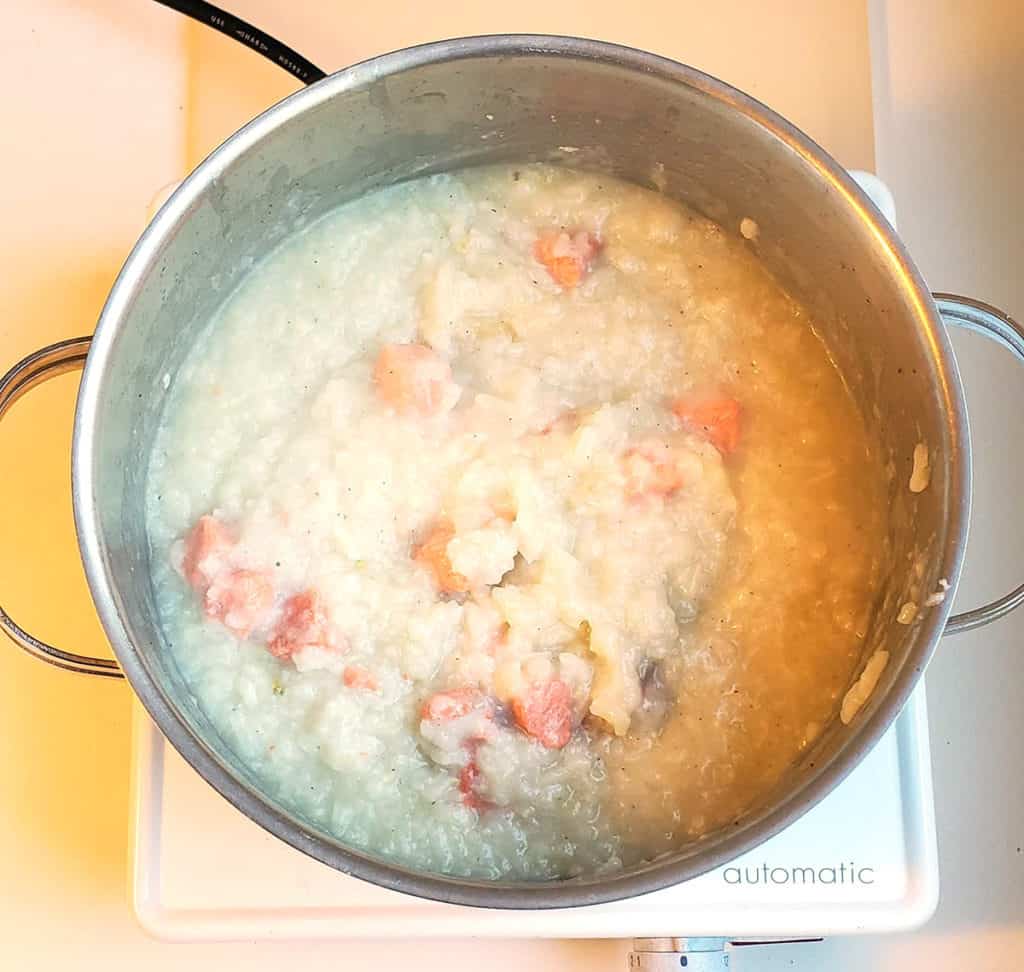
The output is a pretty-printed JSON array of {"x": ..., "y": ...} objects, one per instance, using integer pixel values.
[
  {"x": 41, "y": 365},
  {"x": 982, "y": 318}
]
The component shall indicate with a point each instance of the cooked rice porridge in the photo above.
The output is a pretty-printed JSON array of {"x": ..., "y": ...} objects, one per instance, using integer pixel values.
[{"x": 514, "y": 524}]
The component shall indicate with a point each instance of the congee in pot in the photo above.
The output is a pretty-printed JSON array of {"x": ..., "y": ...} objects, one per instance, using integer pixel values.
[{"x": 515, "y": 523}]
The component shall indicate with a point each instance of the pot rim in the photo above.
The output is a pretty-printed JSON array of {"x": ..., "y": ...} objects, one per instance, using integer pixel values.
[{"x": 289, "y": 828}]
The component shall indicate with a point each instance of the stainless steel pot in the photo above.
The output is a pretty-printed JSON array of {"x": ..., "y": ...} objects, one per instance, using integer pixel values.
[{"x": 504, "y": 99}]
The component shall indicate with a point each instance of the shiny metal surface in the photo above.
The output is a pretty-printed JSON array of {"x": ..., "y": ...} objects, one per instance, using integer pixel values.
[
  {"x": 504, "y": 99},
  {"x": 975, "y": 315},
  {"x": 33, "y": 370},
  {"x": 672, "y": 954}
]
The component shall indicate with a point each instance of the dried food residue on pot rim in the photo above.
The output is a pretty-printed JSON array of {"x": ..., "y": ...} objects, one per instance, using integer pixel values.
[
  {"x": 921, "y": 474},
  {"x": 861, "y": 690}
]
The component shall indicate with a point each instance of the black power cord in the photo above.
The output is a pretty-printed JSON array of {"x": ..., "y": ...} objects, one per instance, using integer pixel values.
[{"x": 252, "y": 37}]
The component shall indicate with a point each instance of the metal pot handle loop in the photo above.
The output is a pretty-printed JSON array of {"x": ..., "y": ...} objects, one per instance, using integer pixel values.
[
  {"x": 48, "y": 362},
  {"x": 982, "y": 318}
]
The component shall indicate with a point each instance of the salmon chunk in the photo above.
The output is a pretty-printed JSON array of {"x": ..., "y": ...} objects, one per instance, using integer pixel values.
[
  {"x": 207, "y": 548},
  {"x": 651, "y": 469},
  {"x": 716, "y": 419},
  {"x": 567, "y": 257},
  {"x": 305, "y": 625},
  {"x": 469, "y": 781},
  {"x": 545, "y": 712},
  {"x": 452, "y": 704},
  {"x": 241, "y": 600},
  {"x": 432, "y": 553},
  {"x": 357, "y": 677},
  {"x": 453, "y": 722},
  {"x": 414, "y": 380}
]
